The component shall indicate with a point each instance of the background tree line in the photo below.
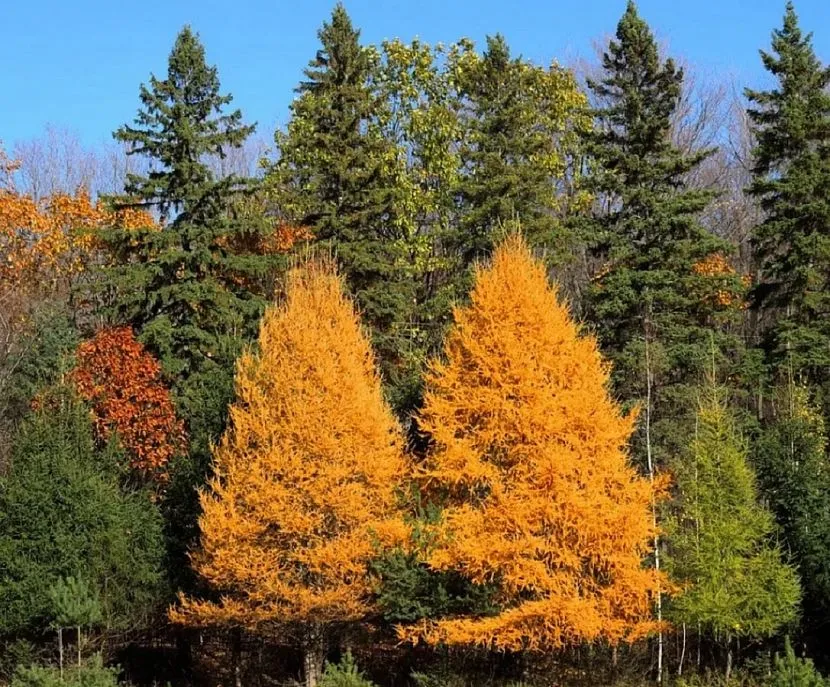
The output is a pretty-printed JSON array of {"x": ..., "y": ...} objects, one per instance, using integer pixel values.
[{"x": 415, "y": 455}]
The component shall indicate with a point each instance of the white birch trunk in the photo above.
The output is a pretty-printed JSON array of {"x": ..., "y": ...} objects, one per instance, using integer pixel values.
[{"x": 650, "y": 462}]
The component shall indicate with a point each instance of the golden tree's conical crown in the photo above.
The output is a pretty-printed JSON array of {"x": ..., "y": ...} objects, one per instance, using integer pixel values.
[
  {"x": 307, "y": 471},
  {"x": 531, "y": 464}
]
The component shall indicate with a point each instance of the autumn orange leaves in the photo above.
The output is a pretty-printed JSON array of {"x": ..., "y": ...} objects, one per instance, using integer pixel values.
[
  {"x": 122, "y": 383},
  {"x": 305, "y": 476},
  {"x": 530, "y": 461},
  {"x": 53, "y": 239},
  {"x": 528, "y": 465}
]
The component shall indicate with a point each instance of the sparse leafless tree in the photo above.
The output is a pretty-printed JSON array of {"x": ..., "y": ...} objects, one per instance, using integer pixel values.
[
  {"x": 243, "y": 161},
  {"x": 58, "y": 162}
]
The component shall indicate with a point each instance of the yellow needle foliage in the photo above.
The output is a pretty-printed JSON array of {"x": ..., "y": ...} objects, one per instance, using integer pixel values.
[
  {"x": 306, "y": 474},
  {"x": 530, "y": 462}
]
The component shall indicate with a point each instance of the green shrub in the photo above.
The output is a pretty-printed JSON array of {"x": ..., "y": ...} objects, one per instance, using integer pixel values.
[
  {"x": 448, "y": 678},
  {"x": 344, "y": 674},
  {"x": 15, "y": 653},
  {"x": 91, "y": 674},
  {"x": 717, "y": 679},
  {"x": 791, "y": 671},
  {"x": 439, "y": 678}
]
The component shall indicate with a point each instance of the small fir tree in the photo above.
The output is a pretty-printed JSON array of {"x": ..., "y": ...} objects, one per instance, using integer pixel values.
[{"x": 63, "y": 514}]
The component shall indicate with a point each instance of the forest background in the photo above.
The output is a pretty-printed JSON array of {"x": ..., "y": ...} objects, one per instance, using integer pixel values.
[{"x": 478, "y": 370}]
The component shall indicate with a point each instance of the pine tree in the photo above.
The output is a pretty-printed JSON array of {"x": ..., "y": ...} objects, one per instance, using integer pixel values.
[
  {"x": 794, "y": 476},
  {"x": 63, "y": 514},
  {"x": 306, "y": 476},
  {"x": 192, "y": 290},
  {"x": 182, "y": 288},
  {"x": 791, "y": 671},
  {"x": 522, "y": 130},
  {"x": 663, "y": 280},
  {"x": 791, "y": 123},
  {"x": 337, "y": 176},
  {"x": 529, "y": 466},
  {"x": 736, "y": 584}
]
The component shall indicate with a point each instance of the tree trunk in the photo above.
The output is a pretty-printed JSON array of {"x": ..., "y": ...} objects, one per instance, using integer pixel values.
[
  {"x": 682, "y": 653},
  {"x": 315, "y": 654},
  {"x": 728, "y": 659},
  {"x": 79, "y": 646},
  {"x": 651, "y": 471},
  {"x": 60, "y": 650},
  {"x": 699, "y": 640},
  {"x": 236, "y": 650}
]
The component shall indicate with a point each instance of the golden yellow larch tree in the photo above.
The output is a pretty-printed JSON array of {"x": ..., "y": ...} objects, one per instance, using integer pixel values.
[
  {"x": 306, "y": 475},
  {"x": 530, "y": 465}
]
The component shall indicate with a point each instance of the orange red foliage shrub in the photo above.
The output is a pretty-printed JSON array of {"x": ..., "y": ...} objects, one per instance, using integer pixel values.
[{"x": 122, "y": 382}]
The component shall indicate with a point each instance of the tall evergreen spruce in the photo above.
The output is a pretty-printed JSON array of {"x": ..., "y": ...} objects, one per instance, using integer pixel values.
[
  {"x": 191, "y": 296},
  {"x": 662, "y": 281},
  {"x": 522, "y": 123},
  {"x": 336, "y": 176},
  {"x": 184, "y": 290},
  {"x": 792, "y": 182}
]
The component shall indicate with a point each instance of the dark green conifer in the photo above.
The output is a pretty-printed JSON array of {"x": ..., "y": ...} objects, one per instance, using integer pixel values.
[
  {"x": 192, "y": 298},
  {"x": 63, "y": 514},
  {"x": 662, "y": 279},
  {"x": 521, "y": 123},
  {"x": 794, "y": 475},
  {"x": 336, "y": 175},
  {"x": 791, "y": 179},
  {"x": 193, "y": 290}
]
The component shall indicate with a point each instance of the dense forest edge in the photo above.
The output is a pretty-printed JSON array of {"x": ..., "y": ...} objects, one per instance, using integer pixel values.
[{"x": 480, "y": 372}]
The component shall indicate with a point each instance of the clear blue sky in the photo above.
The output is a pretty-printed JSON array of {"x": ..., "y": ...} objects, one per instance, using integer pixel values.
[{"x": 77, "y": 64}]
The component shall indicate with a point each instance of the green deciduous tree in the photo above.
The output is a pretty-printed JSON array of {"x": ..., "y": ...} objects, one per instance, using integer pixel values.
[
  {"x": 736, "y": 584},
  {"x": 424, "y": 123},
  {"x": 483, "y": 140}
]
